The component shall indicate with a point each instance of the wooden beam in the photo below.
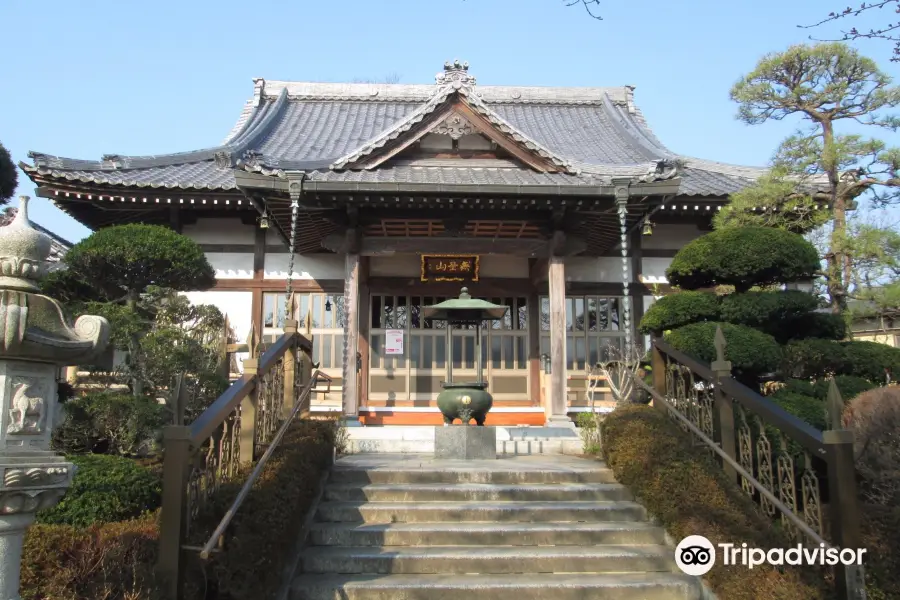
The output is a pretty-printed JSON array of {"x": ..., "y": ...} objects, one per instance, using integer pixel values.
[
  {"x": 330, "y": 286},
  {"x": 533, "y": 310},
  {"x": 377, "y": 246},
  {"x": 413, "y": 286}
]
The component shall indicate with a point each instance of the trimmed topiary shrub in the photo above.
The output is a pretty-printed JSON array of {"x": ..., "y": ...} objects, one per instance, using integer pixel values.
[
  {"x": 105, "y": 489},
  {"x": 686, "y": 489},
  {"x": 849, "y": 386},
  {"x": 813, "y": 359},
  {"x": 110, "y": 423},
  {"x": 752, "y": 353},
  {"x": 826, "y": 326},
  {"x": 810, "y": 409},
  {"x": 871, "y": 360},
  {"x": 678, "y": 309},
  {"x": 743, "y": 257},
  {"x": 766, "y": 310}
]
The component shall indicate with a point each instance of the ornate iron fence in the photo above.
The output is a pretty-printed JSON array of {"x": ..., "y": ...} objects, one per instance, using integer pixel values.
[
  {"x": 802, "y": 478},
  {"x": 235, "y": 430}
]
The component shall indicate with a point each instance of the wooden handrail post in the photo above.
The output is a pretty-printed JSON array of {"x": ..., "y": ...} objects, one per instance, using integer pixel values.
[
  {"x": 721, "y": 369},
  {"x": 290, "y": 366},
  {"x": 305, "y": 374},
  {"x": 843, "y": 496},
  {"x": 658, "y": 366},
  {"x": 248, "y": 413},
  {"x": 173, "y": 515}
]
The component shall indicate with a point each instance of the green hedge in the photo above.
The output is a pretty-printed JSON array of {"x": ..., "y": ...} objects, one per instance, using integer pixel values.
[
  {"x": 116, "y": 561},
  {"x": 766, "y": 310},
  {"x": 813, "y": 359},
  {"x": 688, "y": 492},
  {"x": 816, "y": 358},
  {"x": 810, "y": 409},
  {"x": 743, "y": 257},
  {"x": 678, "y": 309},
  {"x": 105, "y": 489},
  {"x": 751, "y": 352},
  {"x": 871, "y": 360}
]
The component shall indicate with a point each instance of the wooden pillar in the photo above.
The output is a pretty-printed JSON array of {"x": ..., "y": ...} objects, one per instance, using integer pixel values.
[
  {"x": 556, "y": 407},
  {"x": 350, "y": 382},
  {"x": 364, "y": 323},
  {"x": 637, "y": 288},
  {"x": 533, "y": 309},
  {"x": 259, "y": 273}
]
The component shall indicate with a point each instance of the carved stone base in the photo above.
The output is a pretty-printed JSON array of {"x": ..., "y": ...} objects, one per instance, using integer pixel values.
[{"x": 28, "y": 406}]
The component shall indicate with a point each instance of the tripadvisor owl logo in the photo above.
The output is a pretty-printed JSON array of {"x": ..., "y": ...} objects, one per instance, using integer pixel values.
[{"x": 695, "y": 555}]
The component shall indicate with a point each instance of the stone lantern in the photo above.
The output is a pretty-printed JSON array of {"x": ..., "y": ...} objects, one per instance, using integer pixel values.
[{"x": 36, "y": 341}]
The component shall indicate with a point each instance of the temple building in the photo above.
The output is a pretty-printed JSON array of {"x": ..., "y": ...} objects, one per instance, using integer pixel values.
[{"x": 369, "y": 201}]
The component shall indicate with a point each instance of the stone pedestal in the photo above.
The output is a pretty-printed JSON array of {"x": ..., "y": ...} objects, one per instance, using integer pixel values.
[{"x": 465, "y": 442}]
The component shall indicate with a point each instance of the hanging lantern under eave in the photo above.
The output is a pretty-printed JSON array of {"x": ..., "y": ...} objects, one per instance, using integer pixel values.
[
  {"x": 264, "y": 222},
  {"x": 647, "y": 227}
]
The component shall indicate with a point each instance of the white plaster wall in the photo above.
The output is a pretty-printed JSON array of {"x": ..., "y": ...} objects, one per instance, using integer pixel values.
[
  {"x": 231, "y": 265},
  {"x": 670, "y": 236},
  {"x": 503, "y": 266},
  {"x": 397, "y": 265},
  {"x": 606, "y": 269},
  {"x": 654, "y": 270},
  {"x": 306, "y": 266},
  {"x": 237, "y": 306},
  {"x": 219, "y": 231}
]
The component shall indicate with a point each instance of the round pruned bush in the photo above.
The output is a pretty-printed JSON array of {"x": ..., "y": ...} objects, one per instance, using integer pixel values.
[
  {"x": 752, "y": 353},
  {"x": 105, "y": 489},
  {"x": 766, "y": 310},
  {"x": 743, "y": 257},
  {"x": 678, "y": 309},
  {"x": 874, "y": 417},
  {"x": 871, "y": 360},
  {"x": 813, "y": 359},
  {"x": 810, "y": 409}
]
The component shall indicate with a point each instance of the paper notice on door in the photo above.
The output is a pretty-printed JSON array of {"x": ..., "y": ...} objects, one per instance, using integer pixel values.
[{"x": 393, "y": 343}]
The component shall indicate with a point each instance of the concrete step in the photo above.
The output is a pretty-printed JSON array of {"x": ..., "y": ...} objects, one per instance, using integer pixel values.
[
  {"x": 488, "y": 560},
  {"x": 476, "y": 492},
  {"x": 484, "y": 534},
  {"x": 504, "y": 447},
  {"x": 618, "y": 586},
  {"x": 524, "y": 447},
  {"x": 448, "y": 476},
  {"x": 435, "y": 512}
]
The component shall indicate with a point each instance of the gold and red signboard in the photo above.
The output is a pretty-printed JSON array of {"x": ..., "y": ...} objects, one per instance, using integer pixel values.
[{"x": 449, "y": 267}]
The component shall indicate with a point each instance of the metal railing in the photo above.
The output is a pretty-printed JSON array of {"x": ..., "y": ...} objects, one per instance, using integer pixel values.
[
  {"x": 791, "y": 470},
  {"x": 243, "y": 426}
]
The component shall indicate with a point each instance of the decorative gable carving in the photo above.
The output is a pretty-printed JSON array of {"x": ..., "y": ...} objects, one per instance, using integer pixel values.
[{"x": 455, "y": 125}]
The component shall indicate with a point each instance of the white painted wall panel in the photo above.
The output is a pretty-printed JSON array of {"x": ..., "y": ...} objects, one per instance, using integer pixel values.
[
  {"x": 654, "y": 270},
  {"x": 231, "y": 265},
  {"x": 237, "y": 306},
  {"x": 670, "y": 236},
  {"x": 219, "y": 231},
  {"x": 306, "y": 266},
  {"x": 604, "y": 269}
]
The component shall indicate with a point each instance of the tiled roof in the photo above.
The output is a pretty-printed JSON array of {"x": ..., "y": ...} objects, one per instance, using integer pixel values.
[{"x": 320, "y": 128}]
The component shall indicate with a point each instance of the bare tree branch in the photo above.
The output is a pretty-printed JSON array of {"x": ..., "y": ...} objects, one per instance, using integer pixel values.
[
  {"x": 590, "y": 6},
  {"x": 889, "y": 32}
]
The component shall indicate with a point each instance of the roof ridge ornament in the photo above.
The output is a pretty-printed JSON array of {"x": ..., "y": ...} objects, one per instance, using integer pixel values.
[{"x": 455, "y": 74}]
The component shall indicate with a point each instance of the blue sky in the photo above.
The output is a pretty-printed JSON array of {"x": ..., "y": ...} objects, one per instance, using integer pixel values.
[{"x": 91, "y": 77}]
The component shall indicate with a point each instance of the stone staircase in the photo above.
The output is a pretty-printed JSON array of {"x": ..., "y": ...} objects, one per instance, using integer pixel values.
[
  {"x": 406, "y": 527},
  {"x": 408, "y": 439}
]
